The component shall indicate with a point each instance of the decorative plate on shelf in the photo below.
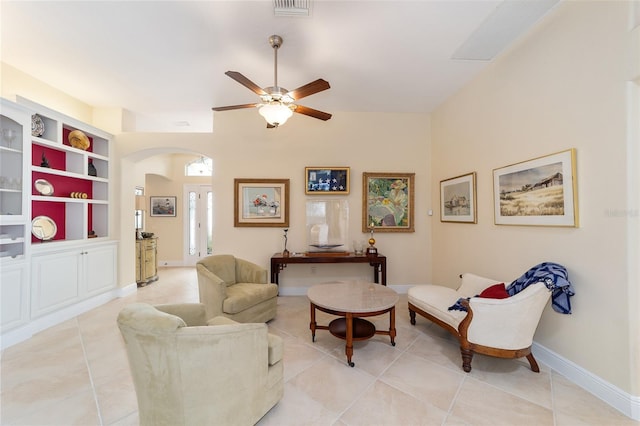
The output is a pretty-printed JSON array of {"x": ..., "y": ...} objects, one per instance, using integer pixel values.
[
  {"x": 43, "y": 187},
  {"x": 43, "y": 228},
  {"x": 79, "y": 140},
  {"x": 37, "y": 125}
]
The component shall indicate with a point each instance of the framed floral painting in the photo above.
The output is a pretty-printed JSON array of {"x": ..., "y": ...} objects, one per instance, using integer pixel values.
[
  {"x": 261, "y": 203},
  {"x": 387, "y": 202}
]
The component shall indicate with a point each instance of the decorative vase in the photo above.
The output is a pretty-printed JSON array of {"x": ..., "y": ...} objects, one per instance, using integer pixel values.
[
  {"x": 45, "y": 162},
  {"x": 92, "y": 169}
]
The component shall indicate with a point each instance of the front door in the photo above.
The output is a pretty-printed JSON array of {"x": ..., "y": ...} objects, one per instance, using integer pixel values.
[{"x": 199, "y": 224}]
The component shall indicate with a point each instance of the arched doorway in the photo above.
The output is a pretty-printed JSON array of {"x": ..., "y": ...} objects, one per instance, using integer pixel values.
[{"x": 186, "y": 235}]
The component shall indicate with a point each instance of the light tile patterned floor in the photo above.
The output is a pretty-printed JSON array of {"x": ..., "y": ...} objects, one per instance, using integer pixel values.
[{"x": 76, "y": 373}]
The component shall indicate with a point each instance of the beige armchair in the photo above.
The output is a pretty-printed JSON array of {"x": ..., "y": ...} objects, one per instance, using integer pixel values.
[
  {"x": 236, "y": 288},
  {"x": 188, "y": 371},
  {"x": 502, "y": 328}
]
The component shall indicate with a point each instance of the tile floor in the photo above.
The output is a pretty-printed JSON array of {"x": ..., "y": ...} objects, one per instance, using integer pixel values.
[{"x": 76, "y": 373}]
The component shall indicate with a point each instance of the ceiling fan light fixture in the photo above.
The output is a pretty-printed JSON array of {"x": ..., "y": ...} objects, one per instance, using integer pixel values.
[
  {"x": 277, "y": 103},
  {"x": 275, "y": 113}
]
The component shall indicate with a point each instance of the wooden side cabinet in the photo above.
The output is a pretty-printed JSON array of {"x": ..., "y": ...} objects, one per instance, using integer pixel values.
[{"x": 146, "y": 261}]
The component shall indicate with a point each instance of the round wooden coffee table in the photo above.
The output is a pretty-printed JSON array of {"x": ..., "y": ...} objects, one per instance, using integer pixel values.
[{"x": 351, "y": 301}]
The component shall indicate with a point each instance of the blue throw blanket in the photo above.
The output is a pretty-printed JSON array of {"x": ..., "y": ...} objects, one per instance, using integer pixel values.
[{"x": 553, "y": 275}]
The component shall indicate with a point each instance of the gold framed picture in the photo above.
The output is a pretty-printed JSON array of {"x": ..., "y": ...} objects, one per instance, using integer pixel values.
[
  {"x": 538, "y": 192},
  {"x": 388, "y": 202},
  {"x": 458, "y": 199},
  {"x": 326, "y": 180},
  {"x": 261, "y": 203}
]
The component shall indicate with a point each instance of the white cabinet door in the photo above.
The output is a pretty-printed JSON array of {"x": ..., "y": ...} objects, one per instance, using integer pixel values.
[
  {"x": 14, "y": 295},
  {"x": 15, "y": 158},
  {"x": 100, "y": 269},
  {"x": 64, "y": 277},
  {"x": 56, "y": 279}
]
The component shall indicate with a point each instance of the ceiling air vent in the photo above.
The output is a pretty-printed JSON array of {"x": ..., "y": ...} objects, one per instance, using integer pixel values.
[{"x": 292, "y": 7}]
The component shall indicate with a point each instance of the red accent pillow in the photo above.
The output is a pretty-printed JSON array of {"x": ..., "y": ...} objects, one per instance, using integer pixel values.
[{"x": 496, "y": 291}]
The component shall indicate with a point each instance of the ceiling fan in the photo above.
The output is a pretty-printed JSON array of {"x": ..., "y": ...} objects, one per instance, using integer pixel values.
[{"x": 277, "y": 103}]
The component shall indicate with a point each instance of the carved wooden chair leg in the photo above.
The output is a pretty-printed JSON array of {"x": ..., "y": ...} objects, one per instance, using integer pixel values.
[
  {"x": 533, "y": 363},
  {"x": 467, "y": 356},
  {"x": 412, "y": 316}
]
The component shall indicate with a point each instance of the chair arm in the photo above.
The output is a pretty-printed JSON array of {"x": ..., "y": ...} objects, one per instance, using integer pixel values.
[
  {"x": 225, "y": 365},
  {"x": 246, "y": 341},
  {"x": 275, "y": 343},
  {"x": 248, "y": 272},
  {"x": 203, "y": 271},
  {"x": 193, "y": 314},
  {"x": 221, "y": 320},
  {"x": 137, "y": 318},
  {"x": 506, "y": 323},
  {"x": 212, "y": 291},
  {"x": 472, "y": 284}
]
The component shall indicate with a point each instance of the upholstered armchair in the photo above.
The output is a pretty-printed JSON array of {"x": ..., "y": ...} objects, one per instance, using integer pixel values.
[
  {"x": 236, "y": 288},
  {"x": 189, "y": 371},
  {"x": 500, "y": 327}
]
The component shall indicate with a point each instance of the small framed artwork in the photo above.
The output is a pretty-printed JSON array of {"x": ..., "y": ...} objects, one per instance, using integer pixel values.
[
  {"x": 326, "y": 180},
  {"x": 261, "y": 203},
  {"x": 458, "y": 199},
  {"x": 163, "y": 206},
  {"x": 539, "y": 192},
  {"x": 387, "y": 202}
]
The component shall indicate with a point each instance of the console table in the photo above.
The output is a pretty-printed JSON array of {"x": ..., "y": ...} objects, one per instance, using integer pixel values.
[{"x": 379, "y": 263}]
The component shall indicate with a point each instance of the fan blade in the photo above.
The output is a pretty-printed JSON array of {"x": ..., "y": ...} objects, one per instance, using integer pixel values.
[
  {"x": 227, "y": 108},
  {"x": 309, "y": 89},
  {"x": 246, "y": 82},
  {"x": 312, "y": 112}
]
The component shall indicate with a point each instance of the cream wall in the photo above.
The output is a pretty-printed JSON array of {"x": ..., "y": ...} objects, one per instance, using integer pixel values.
[
  {"x": 241, "y": 147},
  {"x": 565, "y": 86},
  {"x": 16, "y": 83},
  {"x": 169, "y": 230}
]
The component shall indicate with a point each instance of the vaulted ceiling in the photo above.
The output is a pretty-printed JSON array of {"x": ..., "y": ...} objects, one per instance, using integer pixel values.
[{"x": 164, "y": 61}]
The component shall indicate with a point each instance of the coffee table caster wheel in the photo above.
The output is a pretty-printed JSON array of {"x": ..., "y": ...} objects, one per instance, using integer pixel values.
[{"x": 351, "y": 364}]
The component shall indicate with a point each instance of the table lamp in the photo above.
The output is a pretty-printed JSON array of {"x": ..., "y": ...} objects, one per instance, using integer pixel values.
[{"x": 141, "y": 205}]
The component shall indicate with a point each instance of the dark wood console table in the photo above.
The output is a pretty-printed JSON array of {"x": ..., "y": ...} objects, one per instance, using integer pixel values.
[{"x": 379, "y": 263}]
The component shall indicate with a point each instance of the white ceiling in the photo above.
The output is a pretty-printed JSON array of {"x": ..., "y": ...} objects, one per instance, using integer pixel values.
[{"x": 164, "y": 61}]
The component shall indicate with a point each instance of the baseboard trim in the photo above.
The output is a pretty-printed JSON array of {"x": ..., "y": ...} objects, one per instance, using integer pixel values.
[
  {"x": 171, "y": 263},
  {"x": 36, "y": 325},
  {"x": 127, "y": 290},
  {"x": 627, "y": 404}
]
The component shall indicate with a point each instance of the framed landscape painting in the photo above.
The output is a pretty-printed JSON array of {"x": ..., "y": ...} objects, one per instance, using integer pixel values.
[
  {"x": 541, "y": 192},
  {"x": 261, "y": 203},
  {"x": 326, "y": 180},
  {"x": 163, "y": 206},
  {"x": 458, "y": 199},
  {"x": 387, "y": 202}
]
